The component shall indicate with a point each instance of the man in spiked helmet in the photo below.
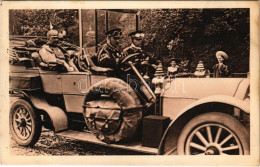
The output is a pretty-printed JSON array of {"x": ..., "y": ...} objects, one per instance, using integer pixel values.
[{"x": 51, "y": 52}]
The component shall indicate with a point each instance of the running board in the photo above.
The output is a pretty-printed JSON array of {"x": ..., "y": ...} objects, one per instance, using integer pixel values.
[{"x": 90, "y": 138}]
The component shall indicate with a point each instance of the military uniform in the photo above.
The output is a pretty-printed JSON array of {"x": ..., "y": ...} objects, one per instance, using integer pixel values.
[
  {"x": 132, "y": 49},
  {"x": 108, "y": 54},
  {"x": 49, "y": 53},
  {"x": 143, "y": 56},
  {"x": 53, "y": 53}
]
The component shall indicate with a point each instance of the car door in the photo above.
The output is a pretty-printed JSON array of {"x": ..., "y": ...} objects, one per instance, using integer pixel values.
[{"x": 74, "y": 87}]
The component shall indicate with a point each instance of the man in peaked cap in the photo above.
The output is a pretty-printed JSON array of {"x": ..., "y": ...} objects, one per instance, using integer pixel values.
[
  {"x": 220, "y": 69},
  {"x": 108, "y": 55},
  {"x": 137, "y": 38},
  {"x": 136, "y": 45}
]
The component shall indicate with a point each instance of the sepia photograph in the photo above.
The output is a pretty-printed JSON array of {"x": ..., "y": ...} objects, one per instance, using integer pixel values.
[{"x": 163, "y": 80}]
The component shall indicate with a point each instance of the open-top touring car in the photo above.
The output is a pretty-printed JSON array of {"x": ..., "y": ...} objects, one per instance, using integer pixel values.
[{"x": 181, "y": 115}]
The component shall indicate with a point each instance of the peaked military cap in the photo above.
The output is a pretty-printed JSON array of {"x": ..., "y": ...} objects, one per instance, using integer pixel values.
[
  {"x": 137, "y": 34},
  {"x": 115, "y": 32}
]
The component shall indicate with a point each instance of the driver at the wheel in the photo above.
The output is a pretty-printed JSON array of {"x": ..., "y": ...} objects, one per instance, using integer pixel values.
[
  {"x": 137, "y": 38},
  {"x": 108, "y": 55}
]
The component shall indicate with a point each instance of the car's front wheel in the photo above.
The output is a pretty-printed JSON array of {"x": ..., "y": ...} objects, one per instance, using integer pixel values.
[
  {"x": 213, "y": 134},
  {"x": 25, "y": 124}
]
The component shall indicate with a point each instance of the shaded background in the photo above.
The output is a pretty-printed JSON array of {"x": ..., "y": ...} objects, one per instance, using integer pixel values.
[{"x": 197, "y": 34}]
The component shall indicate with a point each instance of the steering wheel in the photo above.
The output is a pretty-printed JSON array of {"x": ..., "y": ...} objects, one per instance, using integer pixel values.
[{"x": 135, "y": 59}]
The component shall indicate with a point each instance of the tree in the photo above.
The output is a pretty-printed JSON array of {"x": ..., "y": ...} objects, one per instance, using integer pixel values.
[
  {"x": 198, "y": 34},
  {"x": 37, "y": 22}
]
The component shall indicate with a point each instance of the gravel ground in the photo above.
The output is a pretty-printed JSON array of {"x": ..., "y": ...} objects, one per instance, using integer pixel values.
[{"x": 50, "y": 144}]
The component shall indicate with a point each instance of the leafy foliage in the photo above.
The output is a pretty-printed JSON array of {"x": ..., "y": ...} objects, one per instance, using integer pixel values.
[
  {"x": 197, "y": 34},
  {"x": 37, "y": 22}
]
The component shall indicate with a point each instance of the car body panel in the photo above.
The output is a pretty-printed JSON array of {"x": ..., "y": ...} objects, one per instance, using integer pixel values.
[
  {"x": 75, "y": 86},
  {"x": 181, "y": 92},
  {"x": 200, "y": 87},
  {"x": 74, "y": 103},
  {"x": 171, "y": 106},
  {"x": 58, "y": 117},
  {"x": 243, "y": 90},
  {"x": 51, "y": 83}
]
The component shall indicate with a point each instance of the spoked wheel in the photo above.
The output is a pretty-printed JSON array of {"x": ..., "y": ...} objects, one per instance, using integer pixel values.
[
  {"x": 214, "y": 134},
  {"x": 25, "y": 125}
]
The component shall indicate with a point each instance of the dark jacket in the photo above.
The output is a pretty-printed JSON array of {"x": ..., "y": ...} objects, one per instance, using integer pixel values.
[
  {"x": 107, "y": 56},
  {"x": 143, "y": 54},
  {"x": 221, "y": 71}
]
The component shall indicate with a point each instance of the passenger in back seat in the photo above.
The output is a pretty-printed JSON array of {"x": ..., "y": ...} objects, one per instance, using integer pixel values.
[{"x": 52, "y": 53}]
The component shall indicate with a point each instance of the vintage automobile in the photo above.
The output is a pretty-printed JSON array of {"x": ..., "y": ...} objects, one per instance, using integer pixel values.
[{"x": 180, "y": 115}]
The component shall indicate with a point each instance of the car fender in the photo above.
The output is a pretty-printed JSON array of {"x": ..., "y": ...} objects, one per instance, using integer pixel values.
[
  {"x": 243, "y": 105},
  {"x": 58, "y": 117}
]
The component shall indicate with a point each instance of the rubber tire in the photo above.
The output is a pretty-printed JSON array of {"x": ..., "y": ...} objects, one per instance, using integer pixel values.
[
  {"x": 124, "y": 98},
  {"x": 215, "y": 117},
  {"x": 36, "y": 123}
]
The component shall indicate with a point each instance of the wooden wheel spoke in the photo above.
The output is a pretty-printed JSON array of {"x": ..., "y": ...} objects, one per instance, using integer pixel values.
[
  {"x": 18, "y": 127},
  {"x": 22, "y": 131},
  {"x": 20, "y": 112},
  {"x": 28, "y": 119},
  {"x": 29, "y": 124},
  {"x": 226, "y": 139},
  {"x": 25, "y": 131},
  {"x": 218, "y": 134},
  {"x": 230, "y": 148},
  {"x": 27, "y": 115},
  {"x": 197, "y": 146},
  {"x": 18, "y": 116},
  {"x": 202, "y": 139},
  {"x": 209, "y": 134},
  {"x": 17, "y": 121},
  {"x": 29, "y": 130}
]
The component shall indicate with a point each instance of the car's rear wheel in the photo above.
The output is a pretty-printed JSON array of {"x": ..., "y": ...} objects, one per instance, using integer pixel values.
[
  {"x": 213, "y": 134},
  {"x": 25, "y": 124}
]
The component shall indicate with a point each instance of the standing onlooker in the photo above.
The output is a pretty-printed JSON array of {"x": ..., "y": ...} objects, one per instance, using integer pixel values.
[
  {"x": 173, "y": 68},
  {"x": 220, "y": 69}
]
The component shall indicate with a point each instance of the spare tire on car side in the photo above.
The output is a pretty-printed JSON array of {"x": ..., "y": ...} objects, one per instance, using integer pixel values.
[{"x": 123, "y": 113}]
